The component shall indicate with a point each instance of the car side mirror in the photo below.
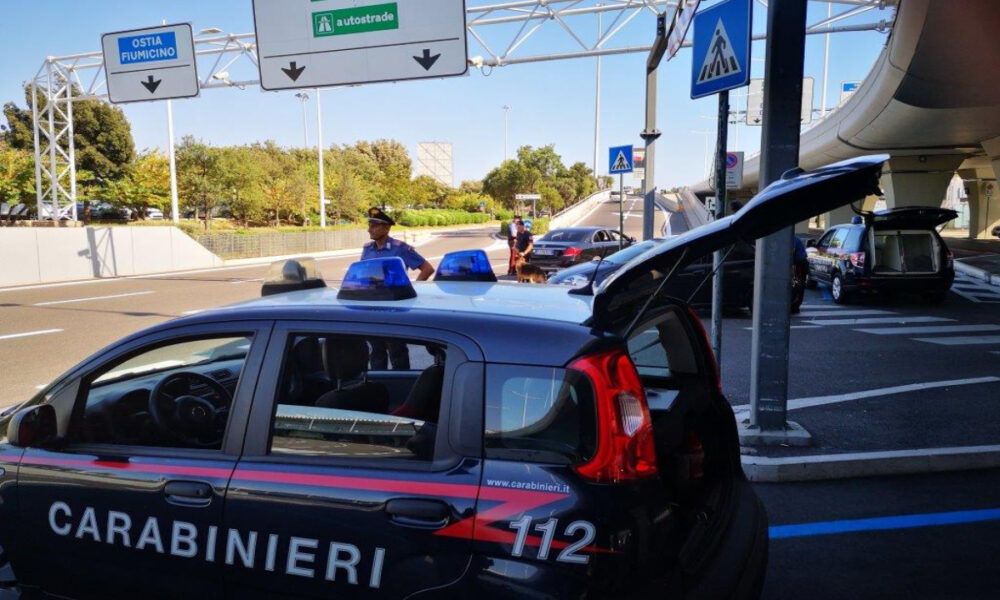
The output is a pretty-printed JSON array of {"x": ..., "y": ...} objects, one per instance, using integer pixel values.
[
  {"x": 32, "y": 427},
  {"x": 810, "y": 243}
]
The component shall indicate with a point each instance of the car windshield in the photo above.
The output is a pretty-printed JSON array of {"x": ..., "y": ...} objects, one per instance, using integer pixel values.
[
  {"x": 567, "y": 235},
  {"x": 179, "y": 355},
  {"x": 623, "y": 256}
]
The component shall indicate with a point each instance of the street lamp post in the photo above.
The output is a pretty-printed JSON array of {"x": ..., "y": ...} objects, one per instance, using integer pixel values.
[
  {"x": 506, "y": 115},
  {"x": 304, "y": 97},
  {"x": 319, "y": 151}
]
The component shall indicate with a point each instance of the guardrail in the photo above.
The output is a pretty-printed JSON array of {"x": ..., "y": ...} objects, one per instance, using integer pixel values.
[{"x": 570, "y": 216}]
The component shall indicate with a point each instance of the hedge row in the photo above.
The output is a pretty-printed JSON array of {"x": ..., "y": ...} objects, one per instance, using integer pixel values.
[
  {"x": 538, "y": 226},
  {"x": 438, "y": 217}
]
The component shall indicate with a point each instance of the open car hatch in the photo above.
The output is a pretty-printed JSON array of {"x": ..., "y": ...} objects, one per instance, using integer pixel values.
[{"x": 797, "y": 196}]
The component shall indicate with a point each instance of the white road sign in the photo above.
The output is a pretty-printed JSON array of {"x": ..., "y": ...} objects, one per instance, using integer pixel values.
[
  {"x": 755, "y": 101},
  {"x": 527, "y": 196},
  {"x": 847, "y": 89},
  {"x": 341, "y": 42},
  {"x": 734, "y": 170},
  {"x": 155, "y": 63}
]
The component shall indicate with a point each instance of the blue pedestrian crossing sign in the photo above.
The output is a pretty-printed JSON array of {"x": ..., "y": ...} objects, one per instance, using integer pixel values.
[
  {"x": 620, "y": 160},
  {"x": 721, "y": 58}
]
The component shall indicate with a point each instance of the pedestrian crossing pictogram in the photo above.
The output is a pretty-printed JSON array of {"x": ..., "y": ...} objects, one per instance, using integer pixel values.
[
  {"x": 621, "y": 163},
  {"x": 720, "y": 61}
]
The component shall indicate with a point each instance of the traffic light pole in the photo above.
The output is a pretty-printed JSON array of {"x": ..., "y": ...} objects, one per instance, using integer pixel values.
[{"x": 786, "y": 23}]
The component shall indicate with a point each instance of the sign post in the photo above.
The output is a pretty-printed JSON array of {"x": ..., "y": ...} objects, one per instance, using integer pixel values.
[
  {"x": 721, "y": 62},
  {"x": 155, "y": 63},
  {"x": 534, "y": 202},
  {"x": 338, "y": 42},
  {"x": 620, "y": 161},
  {"x": 734, "y": 170}
]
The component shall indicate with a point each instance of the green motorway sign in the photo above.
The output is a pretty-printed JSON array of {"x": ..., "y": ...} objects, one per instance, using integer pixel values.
[{"x": 359, "y": 19}]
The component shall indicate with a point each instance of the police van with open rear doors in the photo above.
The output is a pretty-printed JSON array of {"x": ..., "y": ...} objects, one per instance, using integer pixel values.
[{"x": 542, "y": 442}]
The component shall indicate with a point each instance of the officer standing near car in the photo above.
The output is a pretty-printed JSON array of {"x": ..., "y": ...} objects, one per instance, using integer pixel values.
[{"x": 384, "y": 246}]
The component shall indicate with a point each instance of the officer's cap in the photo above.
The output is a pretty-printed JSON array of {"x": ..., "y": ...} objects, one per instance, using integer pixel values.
[{"x": 375, "y": 214}]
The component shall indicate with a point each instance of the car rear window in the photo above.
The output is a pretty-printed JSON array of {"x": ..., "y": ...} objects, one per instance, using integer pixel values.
[
  {"x": 567, "y": 235},
  {"x": 539, "y": 414}
]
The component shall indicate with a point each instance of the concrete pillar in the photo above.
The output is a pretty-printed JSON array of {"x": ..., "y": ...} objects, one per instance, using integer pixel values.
[
  {"x": 844, "y": 214},
  {"x": 919, "y": 180}
]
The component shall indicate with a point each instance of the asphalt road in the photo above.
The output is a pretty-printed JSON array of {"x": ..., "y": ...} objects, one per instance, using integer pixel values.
[
  {"x": 908, "y": 537},
  {"x": 45, "y": 330}
]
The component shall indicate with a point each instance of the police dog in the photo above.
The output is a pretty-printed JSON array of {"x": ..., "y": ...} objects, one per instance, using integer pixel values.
[{"x": 528, "y": 273}]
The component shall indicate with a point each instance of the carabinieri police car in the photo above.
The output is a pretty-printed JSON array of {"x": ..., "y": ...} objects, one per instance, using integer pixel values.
[{"x": 540, "y": 443}]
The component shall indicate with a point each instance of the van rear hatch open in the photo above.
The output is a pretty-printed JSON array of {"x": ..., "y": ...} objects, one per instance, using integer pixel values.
[{"x": 904, "y": 242}]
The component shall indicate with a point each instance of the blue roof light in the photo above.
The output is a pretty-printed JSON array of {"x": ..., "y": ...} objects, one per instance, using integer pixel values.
[
  {"x": 377, "y": 279},
  {"x": 465, "y": 265}
]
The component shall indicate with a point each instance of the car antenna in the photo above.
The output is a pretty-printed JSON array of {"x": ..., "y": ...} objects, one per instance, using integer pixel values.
[
  {"x": 712, "y": 274},
  {"x": 588, "y": 290},
  {"x": 645, "y": 307}
]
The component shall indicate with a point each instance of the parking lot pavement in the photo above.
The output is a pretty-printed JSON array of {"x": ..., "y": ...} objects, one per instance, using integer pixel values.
[
  {"x": 917, "y": 536},
  {"x": 882, "y": 376}
]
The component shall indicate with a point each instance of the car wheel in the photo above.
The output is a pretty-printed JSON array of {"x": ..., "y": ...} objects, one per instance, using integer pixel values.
[{"x": 837, "y": 290}]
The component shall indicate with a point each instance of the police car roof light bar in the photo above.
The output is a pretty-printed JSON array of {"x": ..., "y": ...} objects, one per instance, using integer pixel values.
[
  {"x": 377, "y": 279},
  {"x": 465, "y": 265}
]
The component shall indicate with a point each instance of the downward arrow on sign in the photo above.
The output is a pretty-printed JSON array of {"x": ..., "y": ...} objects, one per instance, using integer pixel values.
[
  {"x": 293, "y": 71},
  {"x": 151, "y": 84},
  {"x": 427, "y": 61}
]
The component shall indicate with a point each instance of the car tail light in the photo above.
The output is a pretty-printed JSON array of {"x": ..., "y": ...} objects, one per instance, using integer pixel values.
[
  {"x": 572, "y": 251},
  {"x": 857, "y": 259},
  {"x": 625, "y": 445},
  {"x": 713, "y": 365}
]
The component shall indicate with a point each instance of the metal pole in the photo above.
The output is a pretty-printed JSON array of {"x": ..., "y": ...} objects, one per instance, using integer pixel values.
[
  {"x": 621, "y": 210},
  {"x": 650, "y": 133},
  {"x": 597, "y": 100},
  {"x": 826, "y": 63},
  {"x": 72, "y": 151},
  {"x": 38, "y": 147},
  {"x": 786, "y": 20},
  {"x": 175, "y": 213},
  {"x": 720, "y": 212},
  {"x": 305, "y": 125},
  {"x": 54, "y": 177},
  {"x": 322, "y": 171}
]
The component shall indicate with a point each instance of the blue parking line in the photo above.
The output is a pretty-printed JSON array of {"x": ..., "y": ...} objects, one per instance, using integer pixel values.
[{"x": 778, "y": 532}]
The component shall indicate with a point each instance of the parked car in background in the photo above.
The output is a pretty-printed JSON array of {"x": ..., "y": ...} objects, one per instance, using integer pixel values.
[
  {"x": 889, "y": 251},
  {"x": 561, "y": 248},
  {"x": 690, "y": 284},
  {"x": 14, "y": 212},
  {"x": 996, "y": 231},
  {"x": 154, "y": 214}
]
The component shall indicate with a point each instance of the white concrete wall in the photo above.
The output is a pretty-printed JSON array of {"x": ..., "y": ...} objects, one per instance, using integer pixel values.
[{"x": 48, "y": 255}]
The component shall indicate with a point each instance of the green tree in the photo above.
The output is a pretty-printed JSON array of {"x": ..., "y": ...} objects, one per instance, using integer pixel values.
[
  {"x": 200, "y": 177},
  {"x": 395, "y": 168},
  {"x": 242, "y": 171},
  {"x": 147, "y": 184},
  {"x": 427, "y": 192},
  {"x": 17, "y": 176},
  {"x": 351, "y": 180}
]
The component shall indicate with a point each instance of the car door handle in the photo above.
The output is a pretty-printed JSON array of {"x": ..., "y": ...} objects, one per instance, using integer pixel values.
[
  {"x": 419, "y": 513},
  {"x": 188, "y": 493}
]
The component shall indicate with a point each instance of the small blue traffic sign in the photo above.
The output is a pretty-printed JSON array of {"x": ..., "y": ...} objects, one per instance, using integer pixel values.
[
  {"x": 721, "y": 58},
  {"x": 620, "y": 160}
]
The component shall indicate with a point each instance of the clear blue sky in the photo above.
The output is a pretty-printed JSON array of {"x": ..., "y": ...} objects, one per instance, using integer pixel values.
[{"x": 552, "y": 102}]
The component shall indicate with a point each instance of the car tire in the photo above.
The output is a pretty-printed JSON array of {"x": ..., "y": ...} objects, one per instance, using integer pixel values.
[{"x": 840, "y": 295}]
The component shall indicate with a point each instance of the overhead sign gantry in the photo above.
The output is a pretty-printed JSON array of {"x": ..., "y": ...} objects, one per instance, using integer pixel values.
[
  {"x": 346, "y": 42},
  {"x": 155, "y": 63}
]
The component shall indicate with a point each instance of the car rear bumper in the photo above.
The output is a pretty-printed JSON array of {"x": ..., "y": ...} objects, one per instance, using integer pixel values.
[{"x": 940, "y": 282}]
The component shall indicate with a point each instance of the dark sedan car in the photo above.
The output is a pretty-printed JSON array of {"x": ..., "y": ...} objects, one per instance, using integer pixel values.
[
  {"x": 896, "y": 250},
  {"x": 738, "y": 275},
  {"x": 561, "y": 248}
]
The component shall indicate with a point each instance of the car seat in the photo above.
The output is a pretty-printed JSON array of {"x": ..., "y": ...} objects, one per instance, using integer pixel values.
[
  {"x": 349, "y": 357},
  {"x": 424, "y": 400},
  {"x": 307, "y": 372}
]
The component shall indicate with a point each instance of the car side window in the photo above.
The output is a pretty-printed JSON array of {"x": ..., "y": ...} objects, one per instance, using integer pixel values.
[
  {"x": 600, "y": 236},
  {"x": 173, "y": 395},
  {"x": 853, "y": 242},
  {"x": 838, "y": 239},
  {"x": 338, "y": 397},
  {"x": 539, "y": 414},
  {"x": 824, "y": 242},
  {"x": 663, "y": 349}
]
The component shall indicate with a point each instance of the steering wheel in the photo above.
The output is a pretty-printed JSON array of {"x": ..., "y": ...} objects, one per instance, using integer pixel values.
[{"x": 182, "y": 416}]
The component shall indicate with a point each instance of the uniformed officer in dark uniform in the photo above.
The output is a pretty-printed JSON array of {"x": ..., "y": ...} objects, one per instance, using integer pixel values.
[{"x": 383, "y": 246}]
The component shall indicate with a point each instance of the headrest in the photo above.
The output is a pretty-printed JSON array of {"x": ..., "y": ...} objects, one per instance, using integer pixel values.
[{"x": 349, "y": 356}]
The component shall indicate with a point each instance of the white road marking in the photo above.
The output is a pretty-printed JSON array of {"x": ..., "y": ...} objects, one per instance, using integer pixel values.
[
  {"x": 853, "y": 313},
  {"x": 880, "y": 321},
  {"x": 14, "y": 336},
  {"x": 930, "y": 329},
  {"x": 963, "y": 340},
  {"x": 794, "y": 327},
  {"x": 92, "y": 298},
  {"x": 876, "y": 393}
]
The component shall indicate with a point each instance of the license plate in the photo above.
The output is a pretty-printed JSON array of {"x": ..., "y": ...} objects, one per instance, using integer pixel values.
[{"x": 544, "y": 252}]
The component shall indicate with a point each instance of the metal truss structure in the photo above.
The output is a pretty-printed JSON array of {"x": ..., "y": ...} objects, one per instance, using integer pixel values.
[
  {"x": 437, "y": 161},
  {"x": 504, "y": 32}
]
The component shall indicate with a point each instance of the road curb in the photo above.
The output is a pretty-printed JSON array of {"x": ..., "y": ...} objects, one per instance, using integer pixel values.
[
  {"x": 977, "y": 273},
  {"x": 868, "y": 464}
]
